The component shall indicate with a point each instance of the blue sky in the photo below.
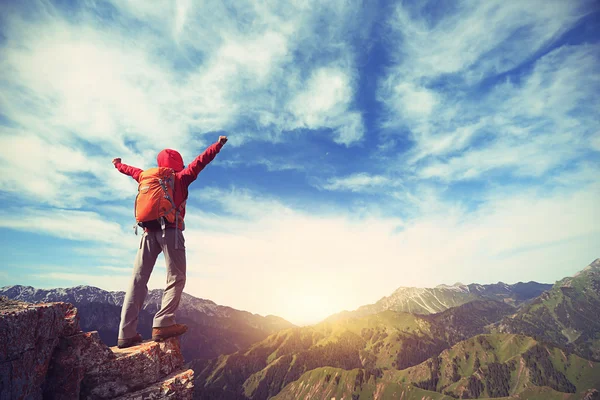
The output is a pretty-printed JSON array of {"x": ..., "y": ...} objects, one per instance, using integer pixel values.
[{"x": 372, "y": 145}]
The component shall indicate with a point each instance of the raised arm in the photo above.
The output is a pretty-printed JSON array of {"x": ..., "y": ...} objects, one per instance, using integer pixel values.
[
  {"x": 190, "y": 173},
  {"x": 126, "y": 169}
]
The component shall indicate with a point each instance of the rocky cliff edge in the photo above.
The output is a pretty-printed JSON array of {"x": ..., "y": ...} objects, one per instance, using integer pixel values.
[{"x": 45, "y": 355}]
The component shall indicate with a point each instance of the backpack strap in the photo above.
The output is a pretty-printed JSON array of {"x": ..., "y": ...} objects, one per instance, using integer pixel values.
[
  {"x": 164, "y": 188},
  {"x": 163, "y": 184}
]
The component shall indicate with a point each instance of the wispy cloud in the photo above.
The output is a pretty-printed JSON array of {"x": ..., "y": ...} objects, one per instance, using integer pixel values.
[
  {"x": 478, "y": 39},
  {"x": 273, "y": 164},
  {"x": 181, "y": 13},
  {"x": 360, "y": 182},
  {"x": 67, "y": 224},
  {"x": 464, "y": 129},
  {"x": 531, "y": 127},
  {"x": 325, "y": 103},
  {"x": 595, "y": 141},
  {"x": 51, "y": 172}
]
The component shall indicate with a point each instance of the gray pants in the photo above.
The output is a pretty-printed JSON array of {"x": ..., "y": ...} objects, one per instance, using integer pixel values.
[{"x": 151, "y": 245}]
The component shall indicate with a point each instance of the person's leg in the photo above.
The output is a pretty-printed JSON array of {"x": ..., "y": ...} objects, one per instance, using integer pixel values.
[
  {"x": 138, "y": 289},
  {"x": 176, "y": 268}
]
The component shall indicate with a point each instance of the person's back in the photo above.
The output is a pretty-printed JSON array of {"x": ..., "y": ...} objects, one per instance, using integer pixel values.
[{"x": 166, "y": 237}]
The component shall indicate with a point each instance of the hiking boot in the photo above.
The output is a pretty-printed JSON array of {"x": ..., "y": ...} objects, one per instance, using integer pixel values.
[
  {"x": 160, "y": 334},
  {"x": 123, "y": 343}
]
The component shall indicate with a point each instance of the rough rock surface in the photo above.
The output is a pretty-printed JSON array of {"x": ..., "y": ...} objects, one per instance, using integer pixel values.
[
  {"x": 73, "y": 356},
  {"x": 44, "y": 354},
  {"x": 133, "y": 368},
  {"x": 179, "y": 385},
  {"x": 28, "y": 336},
  {"x": 591, "y": 394}
]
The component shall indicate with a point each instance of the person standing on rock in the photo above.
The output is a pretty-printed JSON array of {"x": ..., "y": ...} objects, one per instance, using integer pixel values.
[{"x": 160, "y": 210}]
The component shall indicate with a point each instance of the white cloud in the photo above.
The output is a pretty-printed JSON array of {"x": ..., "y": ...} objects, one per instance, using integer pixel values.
[
  {"x": 181, "y": 11},
  {"x": 271, "y": 164},
  {"x": 94, "y": 85},
  {"x": 462, "y": 130},
  {"x": 67, "y": 224},
  {"x": 562, "y": 81},
  {"x": 415, "y": 101},
  {"x": 595, "y": 141},
  {"x": 325, "y": 103},
  {"x": 242, "y": 202},
  {"x": 529, "y": 158},
  {"x": 155, "y": 11},
  {"x": 441, "y": 143},
  {"x": 478, "y": 37},
  {"x": 350, "y": 128},
  {"x": 360, "y": 182},
  {"x": 531, "y": 128},
  {"x": 257, "y": 55},
  {"x": 62, "y": 175},
  {"x": 327, "y": 91}
]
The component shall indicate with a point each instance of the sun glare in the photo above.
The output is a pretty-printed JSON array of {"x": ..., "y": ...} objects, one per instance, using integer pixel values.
[{"x": 307, "y": 309}]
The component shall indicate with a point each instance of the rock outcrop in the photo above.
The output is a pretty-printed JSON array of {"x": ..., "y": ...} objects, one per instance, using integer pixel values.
[{"x": 44, "y": 354}]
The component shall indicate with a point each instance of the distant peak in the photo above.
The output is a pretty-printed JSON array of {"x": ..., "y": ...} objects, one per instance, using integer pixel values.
[
  {"x": 595, "y": 265},
  {"x": 444, "y": 286}
]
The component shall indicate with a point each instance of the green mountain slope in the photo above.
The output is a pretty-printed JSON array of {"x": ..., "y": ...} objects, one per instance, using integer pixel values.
[
  {"x": 328, "y": 383},
  {"x": 538, "y": 350},
  {"x": 567, "y": 315},
  {"x": 486, "y": 366},
  {"x": 501, "y": 365},
  {"x": 374, "y": 343},
  {"x": 460, "y": 323}
]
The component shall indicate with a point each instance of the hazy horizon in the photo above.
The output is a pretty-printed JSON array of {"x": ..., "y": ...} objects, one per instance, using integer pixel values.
[{"x": 304, "y": 322}]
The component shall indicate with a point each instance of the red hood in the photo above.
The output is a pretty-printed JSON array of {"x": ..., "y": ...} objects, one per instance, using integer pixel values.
[{"x": 171, "y": 159}]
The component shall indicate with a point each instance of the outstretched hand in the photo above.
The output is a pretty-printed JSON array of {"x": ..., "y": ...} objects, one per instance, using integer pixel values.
[
  {"x": 116, "y": 161},
  {"x": 222, "y": 139}
]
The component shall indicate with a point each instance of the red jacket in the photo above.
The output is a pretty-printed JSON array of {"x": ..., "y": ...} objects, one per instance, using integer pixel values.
[{"x": 183, "y": 176}]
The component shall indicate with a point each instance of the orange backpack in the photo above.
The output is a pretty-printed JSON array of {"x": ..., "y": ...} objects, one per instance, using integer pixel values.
[{"x": 154, "y": 202}]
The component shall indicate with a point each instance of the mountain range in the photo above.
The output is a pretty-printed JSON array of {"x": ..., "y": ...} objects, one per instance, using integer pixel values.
[
  {"x": 520, "y": 341},
  {"x": 443, "y": 297},
  {"x": 568, "y": 314},
  {"x": 467, "y": 349},
  {"x": 485, "y": 366},
  {"x": 376, "y": 343}
]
